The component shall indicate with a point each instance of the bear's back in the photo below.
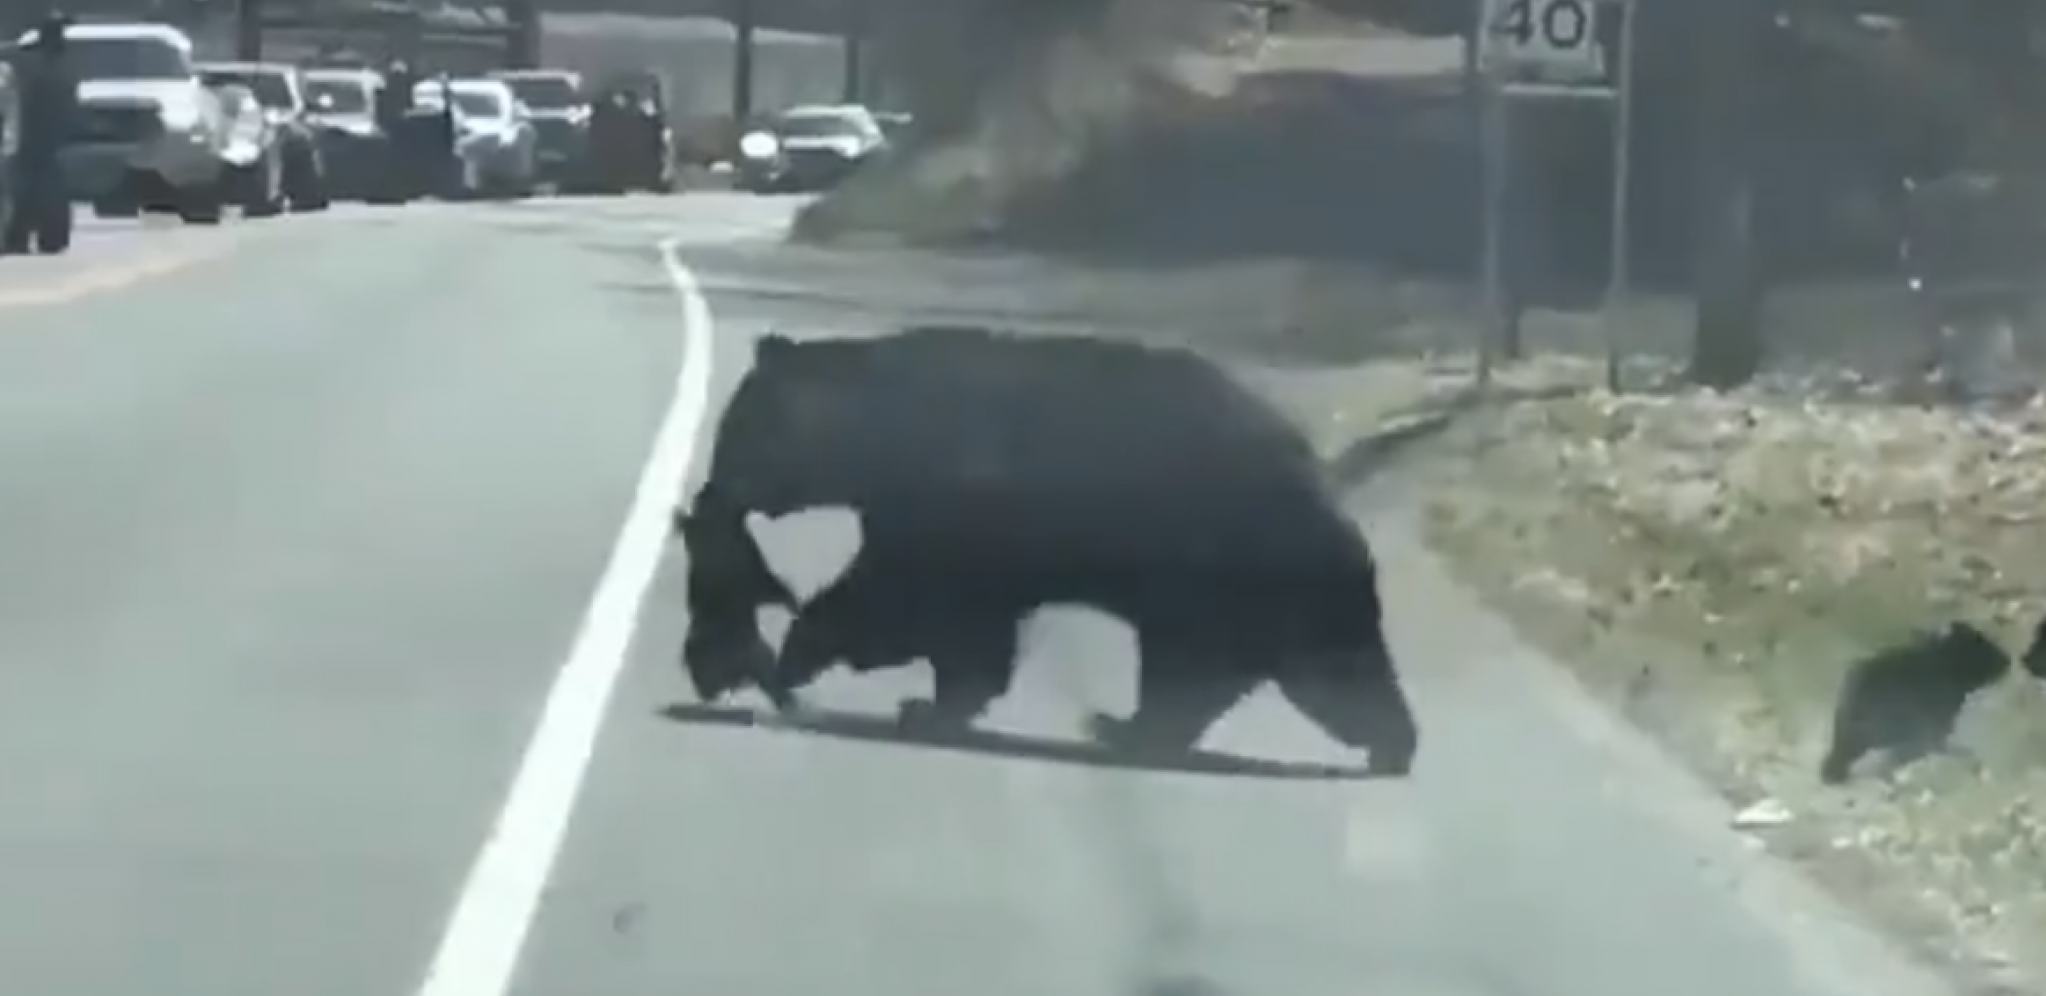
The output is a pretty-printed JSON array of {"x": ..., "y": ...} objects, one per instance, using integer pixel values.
[{"x": 1091, "y": 451}]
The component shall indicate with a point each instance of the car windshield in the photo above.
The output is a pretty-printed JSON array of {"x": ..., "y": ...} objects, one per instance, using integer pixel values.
[
  {"x": 546, "y": 93},
  {"x": 895, "y": 125},
  {"x": 468, "y": 103},
  {"x": 480, "y": 105},
  {"x": 338, "y": 96},
  {"x": 820, "y": 124},
  {"x": 127, "y": 59},
  {"x": 272, "y": 89}
]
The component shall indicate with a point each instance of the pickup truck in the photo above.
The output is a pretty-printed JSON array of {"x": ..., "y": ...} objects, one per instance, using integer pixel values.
[{"x": 151, "y": 136}]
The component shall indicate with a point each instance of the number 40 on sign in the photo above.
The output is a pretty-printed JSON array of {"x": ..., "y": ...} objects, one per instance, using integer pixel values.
[{"x": 1549, "y": 37}]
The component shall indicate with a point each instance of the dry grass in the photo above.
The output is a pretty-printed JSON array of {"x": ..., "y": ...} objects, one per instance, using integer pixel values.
[{"x": 1712, "y": 563}]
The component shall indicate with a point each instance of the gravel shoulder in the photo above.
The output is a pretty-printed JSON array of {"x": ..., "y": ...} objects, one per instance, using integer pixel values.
[{"x": 1709, "y": 566}]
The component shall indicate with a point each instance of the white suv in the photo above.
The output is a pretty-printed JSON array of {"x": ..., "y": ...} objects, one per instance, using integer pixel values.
[{"x": 150, "y": 134}]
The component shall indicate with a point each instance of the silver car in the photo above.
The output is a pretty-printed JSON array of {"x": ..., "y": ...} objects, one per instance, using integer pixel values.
[
  {"x": 561, "y": 116},
  {"x": 810, "y": 147},
  {"x": 495, "y": 141}
]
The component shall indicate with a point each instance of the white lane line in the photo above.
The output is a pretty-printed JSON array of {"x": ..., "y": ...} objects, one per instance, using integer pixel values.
[{"x": 479, "y": 952}]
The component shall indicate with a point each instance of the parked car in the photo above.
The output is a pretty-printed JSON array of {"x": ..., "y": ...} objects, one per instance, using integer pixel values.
[
  {"x": 809, "y": 147},
  {"x": 341, "y": 113},
  {"x": 153, "y": 137},
  {"x": 255, "y": 179},
  {"x": 561, "y": 119},
  {"x": 496, "y": 146},
  {"x": 280, "y": 90}
]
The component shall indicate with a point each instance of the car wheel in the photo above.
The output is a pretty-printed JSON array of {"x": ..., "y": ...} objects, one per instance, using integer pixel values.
[
  {"x": 17, "y": 238},
  {"x": 116, "y": 207},
  {"x": 122, "y": 199},
  {"x": 307, "y": 187},
  {"x": 200, "y": 207},
  {"x": 262, "y": 187},
  {"x": 53, "y": 231}
]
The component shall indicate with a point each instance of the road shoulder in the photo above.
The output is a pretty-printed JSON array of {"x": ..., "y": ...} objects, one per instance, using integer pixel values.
[{"x": 1455, "y": 615}]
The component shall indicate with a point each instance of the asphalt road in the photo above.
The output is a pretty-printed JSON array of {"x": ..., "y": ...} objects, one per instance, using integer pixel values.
[{"x": 315, "y": 641}]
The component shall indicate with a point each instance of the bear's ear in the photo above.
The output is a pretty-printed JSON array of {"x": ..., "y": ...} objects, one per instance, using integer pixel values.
[{"x": 771, "y": 345}]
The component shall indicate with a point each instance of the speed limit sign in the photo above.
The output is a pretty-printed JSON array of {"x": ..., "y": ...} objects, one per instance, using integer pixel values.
[{"x": 1549, "y": 37}]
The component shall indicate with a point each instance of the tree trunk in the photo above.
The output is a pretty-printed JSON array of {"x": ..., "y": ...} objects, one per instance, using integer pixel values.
[
  {"x": 1727, "y": 348},
  {"x": 745, "y": 25}
]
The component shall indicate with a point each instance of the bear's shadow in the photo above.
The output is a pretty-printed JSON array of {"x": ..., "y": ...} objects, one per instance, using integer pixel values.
[{"x": 869, "y": 728}]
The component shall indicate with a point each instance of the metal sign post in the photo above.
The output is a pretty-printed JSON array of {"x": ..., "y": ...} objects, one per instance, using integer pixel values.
[
  {"x": 1620, "y": 245},
  {"x": 745, "y": 24},
  {"x": 1528, "y": 49},
  {"x": 248, "y": 30},
  {"x": 853, "y": 84},
  {"x": 1495, "y": 147}
]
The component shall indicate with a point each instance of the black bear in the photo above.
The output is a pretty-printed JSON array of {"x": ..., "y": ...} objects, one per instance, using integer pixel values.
[
  {"x": 994, "y": 475},
  {"x": 1903, "y": 701}
]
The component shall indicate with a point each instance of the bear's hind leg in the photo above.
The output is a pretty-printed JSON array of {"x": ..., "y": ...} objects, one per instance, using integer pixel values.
[{"x": 1356, "y": 698}]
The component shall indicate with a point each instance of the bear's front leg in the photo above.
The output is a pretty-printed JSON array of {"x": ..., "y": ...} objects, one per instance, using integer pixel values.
[
  {"x": 728, "y": 579},
  {"x": 724, "y": 652},
  {"x": 1184, "y": 686},
  {"x": 973, "y": 663}
]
